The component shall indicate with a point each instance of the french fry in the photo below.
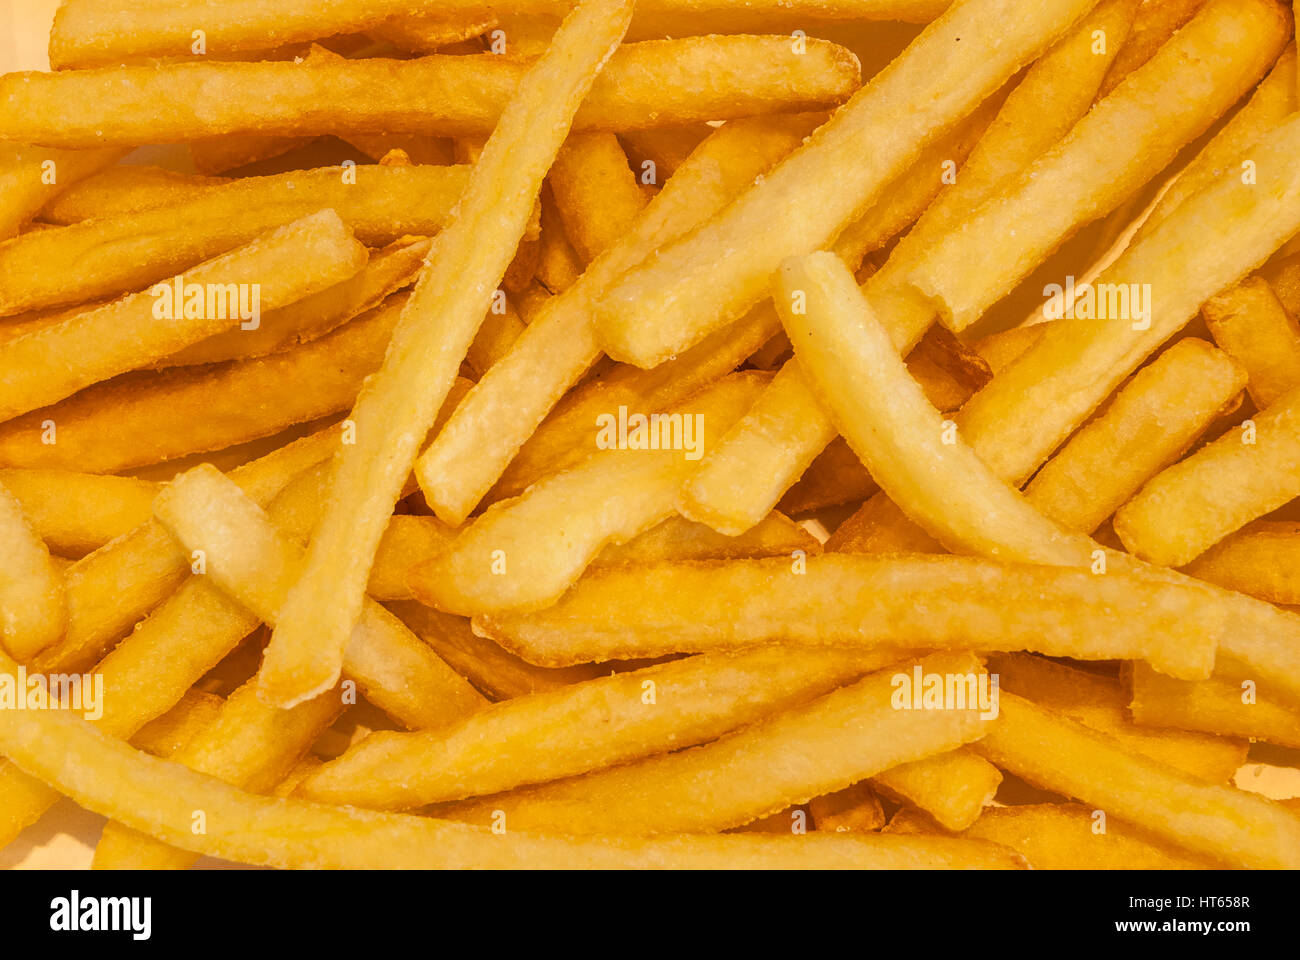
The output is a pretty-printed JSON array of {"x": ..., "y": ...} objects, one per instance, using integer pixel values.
[
  {"x": 714, "y": 275},
  {"x": 122, "y": 190},
  {"x": 546, "y": 736},
  {"x": 168, "y": 414},
  {"x": 1156, "y": 22},
  {"x": 679, "y": 539},
  {"x": 91, "y": 33},
  {"x": 31, "y": 177},
  {"x": 495, "y": 337},
  {"x": 522, "y": 554},
  {"x": 75, "y": 513},
  {"x": 248, "y": 744},
  {"x": 1058, "y": 754},
  {"x": 1150, "y": 423},
  {"x": 436, "y": 328},
  {"x": 33, "y": 600},
  {"x": 387, "y": 271},
  {"x": 999, "y": 350},
  {"x": 1217, "y": 706},
  {"x": 854, "y": 809},
  {"x": 159, "y": 797},
  {"x": 1100, "y": 702},
  {"x": 951, "y": 787},
  {"x": 786, "y": 757},
  {"x": 1261, "y": 559},
  {"x": 665, "y": 148},
  {"x": 597, "y": 195},
  {"x": 471, "y": 453},
  {"x": 287, "y": 264},
  {"x": 215, "y": 155},
  {"x": 649, "y": 84},
  {"x": 1251, "y": 325},
  {"x": 835, "y": 477},
  {"x": 165, "y": 735},
  {"x": 1197, "y": 76},
  {"x": 558, "y": 262},
  {"x": 1192, "y": 505},
  {"x": 107, "y": 257},
  {"x": 872, "y": 601}
]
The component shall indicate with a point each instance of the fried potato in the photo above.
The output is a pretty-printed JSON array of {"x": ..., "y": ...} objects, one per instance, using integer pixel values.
[
  {"x": 31, "y": 177},
  {"x": 649, "y": 84},
  {"x": 1192, "y": 505},
  {"x": 854, "y": 809},
  {"x": 869, "y": 601},
  {"x": 1231, "y": 826},
  {"x": 522, "y": 554},
  {"x": 1251, "y": 325},
  {"x": 75, "y": 513},
  {"x": 283, "y": 266},
  {"x": 597, "y": 195},
  {"x": 718, "y": 272},
  {"x": 1261, "y": 559},
  {"x": 125, "y": 189},
  {"x": 679, "y": 539},
  {"x": 548, "y": 736},
  {"x": 33, "y": 599},
  {"x": 435, "y": 330},
  {"x": 786, "y": 757},
  {"x": 951, "y": 787},
  {"x": 178, "y": 726},
  {"x": 1218, "y": 706},
  {"x": 106, "y": 257}
]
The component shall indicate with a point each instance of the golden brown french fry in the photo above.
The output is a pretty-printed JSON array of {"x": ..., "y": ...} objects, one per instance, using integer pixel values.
[
  {"x": 787, "y": 757},
  {"x": 165, "y": 735},
  {"x": 649, "y": 84},
  {"x": 1197, "y": 76},
  {"x": 1251, "y": 325},
  {"x": 714, "y": 275},
  {"x": 436, "y": 328},
  {"x": 1100, "y": 702},
  {"x": 497, "y": 334},
  {"x": 854, "y": 809},
  {"x": 471, "y": 453},
  {"x": 151, "y": 416},
  {"x": 215, "y": 155},
  {"x": 597, "y": 194},
  {"x": 558, "y": 262},
  {"x": 75, "y": 513},
  {"x": 951, "y": 787},
  {"x": 279, "y": 268},
  {"x": 124, "y": 189},
  {"x": 1217, "y": 706},
  {"x": 999, "y": 350},
  {"x": 31, "y": 177},
  {"x": 872, "y": 601},
  {"x": 249, "y": 744},
  {"x": 33, "y": 600},
  {"x": 835, "y": 477},
  {"x": 1058, "y": 754},
  {"x": 159, "y": 797},
  {"x": 1156, "y": 22},
  {"x": 679, "y": 539},
  {"x": 522, "y": 554},
  {"x": 665, "y": 149},
  {"x": 1261, "y": 559},
  {"x": 1189, "y": 507},
  {"x": 548, "y": 736},
  {"x": 1066, "y": 836},
  {"x": 387, "y": 271},
  {"x": 1149, "y": 424},
  {"x": 107, "y": 257},
  {"x": 86, "y": 33}
]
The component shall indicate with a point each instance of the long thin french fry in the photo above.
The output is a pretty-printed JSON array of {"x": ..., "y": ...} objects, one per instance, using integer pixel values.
[
  {"x": 75, "y": 513},
  {"x": 31, "y": 177},
  {"x": 400, "y": 404},
  {"x": 1217, "y": 706},
  {"x": 919, "y": 96},
  {"x": 33, "y": 599},
  {"x": 124, "y": 189},
  {"x": 649, "y": 84},
  {"x": 1251, "y": 325},
  {"x": 596, "y": 192}
]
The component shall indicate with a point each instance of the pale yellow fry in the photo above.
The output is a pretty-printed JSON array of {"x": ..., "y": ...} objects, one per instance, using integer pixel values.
[
  {"x": 89, "y": 33},
  {"x": 787, "y": 757},
  {"x": 1261, "y": 559},
  {"x": 248, "y": 558},
  {"x": 287, "y": 264},
  {"x": 1058, "y": 754},
  {"x": 399, "y": 405},
  {"x": 125, "y": 189},
  {"x": 548, "y": 736},
  {"x": 1218, "y": 706},
  {"x": 596, "y": 192},
  {"x": 75, "y": 513},
  {"x": 522, "y": 554},
  {"x": 559, "y": 346},
  {"x": 159, "y": 797},
  {"x": 1251, "y": 325},
  {"x": 33, "y": 599},
  {"x": 1149, "y": 424},
  {"x": 713, "y": 276},
  {"x": 951, "y": 787},
  {"x": 1197, "y": 76},
  {"x": 165, "y": 735},
  {"x": 31, "y": 177},
  {"x": 648, "y": 84},
  {"x": 859, "y": 600},
  {"x": 1156, "y": 22},
  {"x": 1189, "y": 507}
]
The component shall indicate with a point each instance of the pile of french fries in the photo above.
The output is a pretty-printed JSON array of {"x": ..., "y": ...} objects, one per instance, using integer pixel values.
[{"x": 681, "y": 433}]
